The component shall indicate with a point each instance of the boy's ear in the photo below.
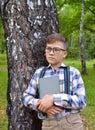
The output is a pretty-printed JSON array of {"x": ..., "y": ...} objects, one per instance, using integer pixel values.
[{"x": 64, "y": 54}]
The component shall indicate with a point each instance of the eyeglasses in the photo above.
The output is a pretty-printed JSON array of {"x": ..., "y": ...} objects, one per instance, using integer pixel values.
[{"x": 55, "y": 50}]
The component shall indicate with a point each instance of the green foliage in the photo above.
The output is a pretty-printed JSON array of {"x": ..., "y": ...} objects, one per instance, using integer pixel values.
[
  {"x": 69, "y": 20},
  {"x": 69, "y": 13},
  {"x": 89, "y": 45},
  {"x": 73, "y": 52},
  {"x": 91, "y": 52}
]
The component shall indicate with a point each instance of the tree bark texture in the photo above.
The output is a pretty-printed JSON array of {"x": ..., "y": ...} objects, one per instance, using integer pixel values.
[{"x": 27, "y": 23}]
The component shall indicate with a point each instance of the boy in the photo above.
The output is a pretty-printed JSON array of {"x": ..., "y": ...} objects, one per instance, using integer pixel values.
[{"x": 62, "y": 111}]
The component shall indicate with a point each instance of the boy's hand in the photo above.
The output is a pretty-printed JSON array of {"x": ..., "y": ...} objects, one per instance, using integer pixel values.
[
  {"x": 53, "y": 110},
  {"x": 45, "y": 103}
]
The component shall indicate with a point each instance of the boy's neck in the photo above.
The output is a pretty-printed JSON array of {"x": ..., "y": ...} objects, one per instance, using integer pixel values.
[{"x": 55, "y": 66}]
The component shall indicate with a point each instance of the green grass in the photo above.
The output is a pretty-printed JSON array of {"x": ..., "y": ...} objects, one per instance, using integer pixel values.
[
  {"x": 88, "y": 113},
  {"x": 3, "y": 90},
  {"x": 3, "y": 61}
]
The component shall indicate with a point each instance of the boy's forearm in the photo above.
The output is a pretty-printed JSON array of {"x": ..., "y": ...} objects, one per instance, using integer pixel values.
[
  {"x": 70, "y": 101},
  {"x": 53, "y": 110},
  {"x": 45, "y": 103},
  {"x": 29, "y": 101}
]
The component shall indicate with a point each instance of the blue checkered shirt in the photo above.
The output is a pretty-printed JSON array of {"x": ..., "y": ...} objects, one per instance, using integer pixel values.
[{"x": 70, "y": 103}]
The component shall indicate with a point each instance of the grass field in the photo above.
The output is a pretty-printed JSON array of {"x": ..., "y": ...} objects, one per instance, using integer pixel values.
[
  {"x": 3, "y": 90},
  {"x": 88, "y": 114}
]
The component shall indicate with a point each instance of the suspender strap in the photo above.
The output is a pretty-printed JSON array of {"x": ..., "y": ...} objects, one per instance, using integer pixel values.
[
  {"x": 67, "y": 79},
  {"x": 41, "y": 115},
  {"x": 67, "y": 82},
  {"x": 41, "y": 75},
  {"x": 42, "y": 72}
]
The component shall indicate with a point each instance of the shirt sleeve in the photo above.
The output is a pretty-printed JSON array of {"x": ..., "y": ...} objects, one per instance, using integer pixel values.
[
  {"x": 29, "y": 95},
  {"x": 77, "y": 99}
]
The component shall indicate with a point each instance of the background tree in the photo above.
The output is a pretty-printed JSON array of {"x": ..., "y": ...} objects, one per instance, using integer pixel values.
[
  {"x": 69, "y": 13},
  {"x": 27, "y": 24},
  {"x": 81, "y": 43}
]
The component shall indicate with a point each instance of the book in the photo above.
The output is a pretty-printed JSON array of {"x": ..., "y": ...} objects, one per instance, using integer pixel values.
[{"x": 48, "y": 85}]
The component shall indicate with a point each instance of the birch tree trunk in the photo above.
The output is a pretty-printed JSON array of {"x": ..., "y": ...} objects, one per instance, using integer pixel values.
[
  {"x": 27, "y": 24},
  {"x": 82, "y": 48}
]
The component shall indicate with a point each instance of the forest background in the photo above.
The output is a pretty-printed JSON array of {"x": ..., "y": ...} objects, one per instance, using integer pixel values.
[{"x": 69, "y": 15}]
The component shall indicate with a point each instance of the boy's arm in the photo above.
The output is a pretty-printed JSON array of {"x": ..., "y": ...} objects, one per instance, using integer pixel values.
[
  {"x": 30, "y": 93},
  {"x": 46, "y": 105},
  {"x": 53, "y": 110},
  {"x": 29, "y": 100},
  {"x": 77, "y": 99}
]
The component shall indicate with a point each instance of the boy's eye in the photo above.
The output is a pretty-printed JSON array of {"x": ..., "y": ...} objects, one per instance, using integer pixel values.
[
  {"x": 56, "y": 49},
  {"x": 49, "y": 49}
]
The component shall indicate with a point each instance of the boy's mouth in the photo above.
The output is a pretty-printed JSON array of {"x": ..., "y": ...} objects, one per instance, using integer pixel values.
[{"x": 51, "y": 58}]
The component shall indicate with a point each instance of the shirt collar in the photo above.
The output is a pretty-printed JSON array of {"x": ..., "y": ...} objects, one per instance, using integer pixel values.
[{"x": 61, "y": 66}]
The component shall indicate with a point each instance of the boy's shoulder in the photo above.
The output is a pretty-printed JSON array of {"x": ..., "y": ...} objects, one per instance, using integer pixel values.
[
  {"x": 74, "y": 69},
  {"x": 39, "y": 70}
]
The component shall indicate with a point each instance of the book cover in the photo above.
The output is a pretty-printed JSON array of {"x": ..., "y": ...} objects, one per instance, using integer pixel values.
[{"x": 48, "y": 85}]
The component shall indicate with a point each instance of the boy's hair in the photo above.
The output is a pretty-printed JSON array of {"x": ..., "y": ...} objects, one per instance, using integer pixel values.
[{"x": 57, "y": 37}]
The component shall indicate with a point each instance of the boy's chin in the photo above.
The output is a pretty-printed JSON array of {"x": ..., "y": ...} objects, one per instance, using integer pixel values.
[{"x": 52, "y": 63}]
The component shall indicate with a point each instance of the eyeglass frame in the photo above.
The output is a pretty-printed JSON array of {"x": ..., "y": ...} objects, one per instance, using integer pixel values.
[{"x": 53, "y": 50}]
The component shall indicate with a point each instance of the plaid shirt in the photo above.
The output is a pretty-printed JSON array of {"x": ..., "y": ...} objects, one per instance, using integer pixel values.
[{"x": 74, "y": 102}]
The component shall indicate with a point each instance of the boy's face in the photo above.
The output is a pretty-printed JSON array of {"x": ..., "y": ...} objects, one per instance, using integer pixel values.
[{"x": 55, "y": 53}]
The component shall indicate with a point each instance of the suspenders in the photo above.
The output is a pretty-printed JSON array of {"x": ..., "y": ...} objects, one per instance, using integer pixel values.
[{"x": 67, "y": 79}]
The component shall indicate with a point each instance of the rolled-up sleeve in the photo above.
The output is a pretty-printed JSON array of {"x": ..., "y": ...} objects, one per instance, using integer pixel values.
[
  {"x": 29, "y": 94},
  {"x": 77, "y": 99}
]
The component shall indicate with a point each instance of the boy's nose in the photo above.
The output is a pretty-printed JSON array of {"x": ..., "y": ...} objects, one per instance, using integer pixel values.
[{"x": 52, "y": 51}]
